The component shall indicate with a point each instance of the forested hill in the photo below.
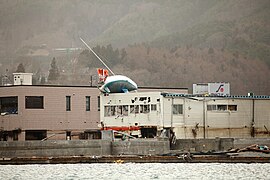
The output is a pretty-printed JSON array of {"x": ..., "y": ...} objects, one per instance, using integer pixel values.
[
  {"x": 228, "y": 39},
  {"x": 182, "y": 66}
]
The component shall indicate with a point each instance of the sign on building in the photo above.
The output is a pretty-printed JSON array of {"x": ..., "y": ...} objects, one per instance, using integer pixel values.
[{"x": 216, "y": 89}]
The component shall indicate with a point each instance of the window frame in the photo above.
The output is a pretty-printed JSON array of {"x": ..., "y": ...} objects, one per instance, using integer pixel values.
[
  {"x": 31, "y": 103},
  {"x": 125, "y": 110},
  {"x": 68, "y": 103},
  {"x": 87, "y": 103},
  {"x": 222, "y": 107},
  {"x": 98, "y": 103},
  {"x": 232, "y": 107},
  {"x": 153, "y": 107},
  {"x": 107, "y": 111},
  {"x": 7, "y": 106},
  {"x": 177, "y": 109},
  {"x": 144, "y": 108}
]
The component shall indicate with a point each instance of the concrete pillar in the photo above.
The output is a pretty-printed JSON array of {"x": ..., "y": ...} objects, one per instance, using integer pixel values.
[
  {"x": 107, "y": 135},
  {"x": 21, "y": 136}
]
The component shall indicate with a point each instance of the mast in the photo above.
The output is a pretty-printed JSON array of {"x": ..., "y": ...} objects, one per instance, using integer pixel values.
[{"x": 96, "y": 55}]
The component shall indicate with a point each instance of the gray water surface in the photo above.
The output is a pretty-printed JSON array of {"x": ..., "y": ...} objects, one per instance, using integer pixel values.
[{"x": 137, "y": 171}]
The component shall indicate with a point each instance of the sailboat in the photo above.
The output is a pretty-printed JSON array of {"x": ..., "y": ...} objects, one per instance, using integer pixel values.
[{"x": 113, "y": 83}]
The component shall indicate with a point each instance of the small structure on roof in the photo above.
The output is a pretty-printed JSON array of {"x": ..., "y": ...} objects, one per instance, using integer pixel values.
[{"x": 22, "y": 78}]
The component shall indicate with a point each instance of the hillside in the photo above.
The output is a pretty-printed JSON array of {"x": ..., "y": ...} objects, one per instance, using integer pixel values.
[
  {"x": 193, "y": 40},
  {"x": 181, "y": 67}
]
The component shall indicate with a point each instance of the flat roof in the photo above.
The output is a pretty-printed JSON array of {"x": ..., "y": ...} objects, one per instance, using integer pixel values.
[
  {"x": 85, "y": 86},
  {"x": 211, "y": 96},
  {"x": 48, "y": 85},
  {"x": 156, "y": 87}
]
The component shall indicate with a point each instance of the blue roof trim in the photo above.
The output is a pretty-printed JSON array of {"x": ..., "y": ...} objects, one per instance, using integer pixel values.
[{"x": 232, "y": 96}]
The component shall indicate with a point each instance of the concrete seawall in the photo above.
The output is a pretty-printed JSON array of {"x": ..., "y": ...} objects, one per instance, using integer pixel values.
[
  {"x": 140, "y": 147},
  {"x": 56, "y": 148},
  {"x": 53, "y": 148},
  {"x": 241, "y": 143},
  {"x": 203, "y": 145},
  {"x": 217, "y": 144}
]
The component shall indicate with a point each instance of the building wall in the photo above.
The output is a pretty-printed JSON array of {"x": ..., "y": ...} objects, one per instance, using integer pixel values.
[
  {"x": 132, "y": 119},
  {"x": 53, "y": 117},
  {"x": 199, "y": 122},
  {"x": 250, "y": 119},
  {"x": 193, "y": 117},
  {"x": 201, "y": 117},
  {"x": 262, "y": 118},
  {"x": 230, "y": 123}
]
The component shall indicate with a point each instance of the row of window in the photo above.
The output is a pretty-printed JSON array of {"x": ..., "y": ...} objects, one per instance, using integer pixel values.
[
  {"x": 36, "y": 102},
  {"x": 10, "y": 104},
  {"x": 87, "y": 103},
  {"x": 123, "y": 110},
  {"x": 221, "y": 107}
]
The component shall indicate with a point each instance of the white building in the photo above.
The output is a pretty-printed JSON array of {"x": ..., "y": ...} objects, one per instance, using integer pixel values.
[{"x": 148, "y": 114}]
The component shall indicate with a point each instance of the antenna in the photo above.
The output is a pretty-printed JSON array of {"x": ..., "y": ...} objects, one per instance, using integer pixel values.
[{"x": 96, "y": 55}]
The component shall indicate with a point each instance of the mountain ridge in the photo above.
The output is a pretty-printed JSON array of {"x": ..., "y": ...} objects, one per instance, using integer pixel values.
[{"x": 236, "y": 33}]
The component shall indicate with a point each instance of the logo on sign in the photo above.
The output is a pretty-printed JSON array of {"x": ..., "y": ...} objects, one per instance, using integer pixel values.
[{"x": 220, "y": 88}]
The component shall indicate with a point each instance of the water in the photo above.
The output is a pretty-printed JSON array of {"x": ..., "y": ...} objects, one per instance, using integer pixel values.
[{"x": 134, "y": 171}]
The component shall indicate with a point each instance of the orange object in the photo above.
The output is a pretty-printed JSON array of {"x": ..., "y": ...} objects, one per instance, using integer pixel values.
[
  {"x": 122, "y": 128},
  {"x": 103, "y": 74}
]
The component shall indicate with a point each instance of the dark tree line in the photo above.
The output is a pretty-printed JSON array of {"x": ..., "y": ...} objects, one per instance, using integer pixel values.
[
  {"x": 109, "y": 55},
  {"x": 54, "y": 71}
]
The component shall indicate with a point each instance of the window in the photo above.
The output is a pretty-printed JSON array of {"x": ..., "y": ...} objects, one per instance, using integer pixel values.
[
  {"x": 125, "y": 110},
  {"x": 15, "y": 134},
  {"x": 113, "y": 110},
  {"x": 132, "y": 109},
  {"x": 110, "y": 111},
  {"x": 211, "y": 107},
  {"x": 153, "y": 107},
  {"x": 144, "y": 108},
  {"x": 34, "y": 102},
  {"x": 119, "y": 110},
  {"x": 221, "y": 107},
  {"x": 68, "y": 135},
  {"x": 98, "y": 98},
  {"x": 107, "y": 111},
  {"x": 232, "y": 107},
  {"x": 87, "y": 101},
  {"x": 9, "y": 105},
  {"x": 136, "y": 109},
  {"x": 68, "y": 103},
  {"x": 177, "y": 109},
  {"x": 35, "y": 134}
]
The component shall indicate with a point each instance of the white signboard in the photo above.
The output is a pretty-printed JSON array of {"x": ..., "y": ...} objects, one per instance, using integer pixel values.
[{"x": 219, "y": 89}]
